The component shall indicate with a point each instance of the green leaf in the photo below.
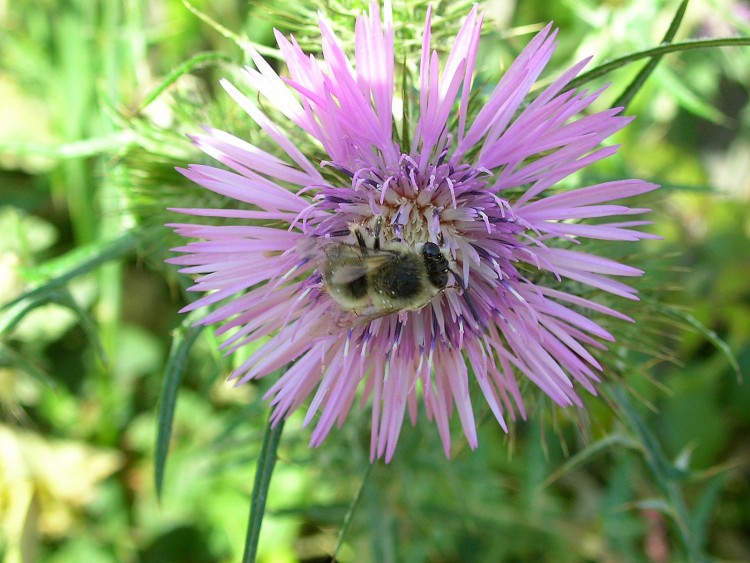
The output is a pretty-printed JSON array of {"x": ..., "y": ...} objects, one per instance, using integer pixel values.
[
  {"x": 87, "y": 322},
  {"x": 624, "y": 99},
  {"x": 664, "y": 474},
  {"x": 671, "y": 83},
  {"x": 182, "y": 343},
  {"x": 705, "y": 507},
  {"x": 196, "y": 62},
  {"x": 608, "y": 67},
  {"x": 241, "y": 42},
  {"x": 263, "y": 472},
  {"x": 62, "y": 297},
  {"x": 709, "y": 334},
  {"x": 57, "y": 272},
  {"x": 9, "y": 357},
  {"x": 589, "y": 453},
  {"x": 110, "y": 143},
  {"x": 657, "y": 504},
  {"x": 382, "y": 527}
]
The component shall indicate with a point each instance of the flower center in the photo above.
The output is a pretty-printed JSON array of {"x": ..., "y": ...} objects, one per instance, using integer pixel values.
[{"x": 417, "y": 203}]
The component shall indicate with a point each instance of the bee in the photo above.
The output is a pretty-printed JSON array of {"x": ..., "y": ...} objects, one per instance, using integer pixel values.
[{"x": 373, "y": 280}]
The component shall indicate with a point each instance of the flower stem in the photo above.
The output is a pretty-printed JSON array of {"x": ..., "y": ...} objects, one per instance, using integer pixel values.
[
  {"x": 263, "y": 472},
  {"x": 352, "y": 509}
]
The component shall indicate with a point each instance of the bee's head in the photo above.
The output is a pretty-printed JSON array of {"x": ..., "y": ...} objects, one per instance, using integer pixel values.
[{"x": 436, "y": 265}]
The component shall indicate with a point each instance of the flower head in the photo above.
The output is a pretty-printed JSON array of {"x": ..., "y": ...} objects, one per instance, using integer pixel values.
[{"x": 299, "y": 271}]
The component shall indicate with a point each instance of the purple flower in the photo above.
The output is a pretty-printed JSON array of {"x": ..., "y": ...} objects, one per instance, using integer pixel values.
[{"x": 485, "y": 191}]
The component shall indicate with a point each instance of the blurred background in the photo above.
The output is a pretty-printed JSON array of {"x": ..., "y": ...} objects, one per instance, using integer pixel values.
[{"x": 97, "y": 98}]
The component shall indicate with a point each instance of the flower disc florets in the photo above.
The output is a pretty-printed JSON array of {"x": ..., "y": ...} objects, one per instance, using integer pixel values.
[
  {"x": 440, "y": 202},
  {"x": 482, "y": 202}
]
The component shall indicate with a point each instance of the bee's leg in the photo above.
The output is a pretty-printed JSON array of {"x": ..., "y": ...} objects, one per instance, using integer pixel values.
[
  {"x": 376, "y": 232},
  {"x": 361, "y": 241},
  {"x": 467, "y": 298}
]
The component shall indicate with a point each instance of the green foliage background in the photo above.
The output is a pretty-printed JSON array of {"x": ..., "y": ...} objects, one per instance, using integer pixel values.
[{"x": 97, "y": 100}]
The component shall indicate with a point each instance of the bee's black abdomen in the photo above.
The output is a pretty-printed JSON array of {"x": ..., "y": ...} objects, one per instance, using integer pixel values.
[
  {"x": 357, "y": 288},
  {"x": 436, "y": 265},
  {"x": 400, "y": 279}
]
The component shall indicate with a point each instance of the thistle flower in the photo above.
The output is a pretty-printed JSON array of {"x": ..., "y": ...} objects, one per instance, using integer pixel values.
[{"x": 485, "y": 192}]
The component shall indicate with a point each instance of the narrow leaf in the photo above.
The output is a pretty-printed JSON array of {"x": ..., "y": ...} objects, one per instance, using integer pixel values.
[
  {"x": 692, "y": 102},
  {"x": 83, "y": 260},
  {"x": 629, "y": 93},
  {"x": 608, "y": 67},
  {"x": 664, "y": 474},
  {"x": 705, "y": 507},
  {"x": 196, "y": 62},
  {"x": 231, "y": 35},
  {"x": 709, "y": 334},
  {"x": 88, "y": 324},
  {"x": 182, "y": 343},
  {"x": 9, "y": 357},
  {"x": 589, "y": 453},
  {"x": 263, "y": 472},
  {"x": 657, "y": 504},
  {"x": 84, "y": 148}
]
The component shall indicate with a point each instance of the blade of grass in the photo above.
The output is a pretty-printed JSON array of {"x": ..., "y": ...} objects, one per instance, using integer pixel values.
[
  {"x": 624, "y": 99},
  {"x": 182, "y": 343},
  {"x": 608, "y": 67},
  {"x": 705, "y": 507},
  {"x": 73, "y": 99},
  {"x": 263, "y": 473},
  {"x": 381, "y": 524}
]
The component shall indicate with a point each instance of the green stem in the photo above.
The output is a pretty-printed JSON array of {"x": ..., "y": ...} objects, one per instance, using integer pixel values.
[
  {"x": 350, "y": 514},
  {"x": 263, "y": 472}
]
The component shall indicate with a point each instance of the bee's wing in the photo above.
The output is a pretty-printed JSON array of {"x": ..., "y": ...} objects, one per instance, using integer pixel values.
[
  {"x": 336, "y": 320},
  {"x": 346, "y": 263}
]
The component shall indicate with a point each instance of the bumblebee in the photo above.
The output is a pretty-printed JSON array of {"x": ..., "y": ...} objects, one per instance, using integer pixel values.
[{"x": 376, "y": 280}]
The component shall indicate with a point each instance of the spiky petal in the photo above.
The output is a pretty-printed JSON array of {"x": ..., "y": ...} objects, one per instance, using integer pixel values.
[{"x": 487, "y": 193}]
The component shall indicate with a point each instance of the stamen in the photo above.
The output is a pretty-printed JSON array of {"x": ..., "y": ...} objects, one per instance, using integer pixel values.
[
  {"x": 453, "y": 192},
  {"x": 365, "y": 342},
  {"x": 384, "y": 189},
  {"x": 486, "y": 220}
]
